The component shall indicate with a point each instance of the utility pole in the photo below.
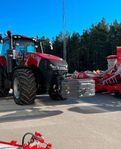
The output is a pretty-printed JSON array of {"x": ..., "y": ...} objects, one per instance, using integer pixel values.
[{"x": 64, "y": 30}]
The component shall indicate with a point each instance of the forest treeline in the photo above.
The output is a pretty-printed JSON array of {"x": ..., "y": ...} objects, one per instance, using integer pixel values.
[{"x": 88, "y": 51}]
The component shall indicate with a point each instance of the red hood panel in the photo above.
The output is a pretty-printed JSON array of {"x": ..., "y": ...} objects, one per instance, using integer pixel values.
[
  {"x": 2, "y": 60},
  {"x": 48, "y": 56}
]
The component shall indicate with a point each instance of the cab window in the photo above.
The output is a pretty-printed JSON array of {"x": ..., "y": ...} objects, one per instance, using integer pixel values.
[{"x": 5, "y": 48}]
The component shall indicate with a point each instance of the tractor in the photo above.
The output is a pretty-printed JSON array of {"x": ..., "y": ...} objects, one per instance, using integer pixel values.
[{"x": 26, "y": 69}]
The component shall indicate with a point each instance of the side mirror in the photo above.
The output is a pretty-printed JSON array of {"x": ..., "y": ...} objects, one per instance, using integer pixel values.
[{"x": 51, "y": 45}]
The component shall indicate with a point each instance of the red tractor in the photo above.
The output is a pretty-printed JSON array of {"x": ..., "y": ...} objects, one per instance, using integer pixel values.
[{"x": 28, "y": 71}]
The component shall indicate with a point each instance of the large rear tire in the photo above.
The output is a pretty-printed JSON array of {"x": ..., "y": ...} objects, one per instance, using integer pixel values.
[
  {"x": 3, "y": 92},
  {"x": 24, "y": 87}
]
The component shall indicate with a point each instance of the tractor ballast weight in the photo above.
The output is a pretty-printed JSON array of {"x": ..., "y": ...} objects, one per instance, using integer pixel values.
[{"x": 28, "y": 71}]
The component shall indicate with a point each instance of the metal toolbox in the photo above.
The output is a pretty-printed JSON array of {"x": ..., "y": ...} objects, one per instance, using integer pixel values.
[{"x": 78, "y": 88}]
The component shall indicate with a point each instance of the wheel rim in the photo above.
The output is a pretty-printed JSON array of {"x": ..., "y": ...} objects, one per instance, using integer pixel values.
[{"x": 16, "y": 87}]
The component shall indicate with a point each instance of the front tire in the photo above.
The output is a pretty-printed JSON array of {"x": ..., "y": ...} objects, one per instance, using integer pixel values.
[
  {"x": 24, "y": 87},
  {"x": 55, "y": 91}
]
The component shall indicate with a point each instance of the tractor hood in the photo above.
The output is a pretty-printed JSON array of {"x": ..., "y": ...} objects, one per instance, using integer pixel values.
[
  {"x": 46, "y": 61},
  {"x": 48, "y": 56}
]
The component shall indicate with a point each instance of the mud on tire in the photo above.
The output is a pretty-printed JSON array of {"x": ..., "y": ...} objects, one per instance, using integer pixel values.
[{"x": 24, "y": 87}]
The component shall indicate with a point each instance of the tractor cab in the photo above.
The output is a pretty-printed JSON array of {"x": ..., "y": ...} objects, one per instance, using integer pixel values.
[{"x": 15, "y": 48}]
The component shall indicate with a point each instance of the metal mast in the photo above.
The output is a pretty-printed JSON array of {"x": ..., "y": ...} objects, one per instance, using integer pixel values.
[{"x": 64, "y": 29}]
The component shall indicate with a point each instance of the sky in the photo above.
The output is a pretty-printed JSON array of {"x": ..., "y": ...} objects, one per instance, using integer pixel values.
[{"x": 44, "y": 17}]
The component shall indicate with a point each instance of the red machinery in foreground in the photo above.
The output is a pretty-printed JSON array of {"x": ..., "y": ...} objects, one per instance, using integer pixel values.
[
  {"x": 109, "y": 80},
  {"x": 36, "y": 142}
]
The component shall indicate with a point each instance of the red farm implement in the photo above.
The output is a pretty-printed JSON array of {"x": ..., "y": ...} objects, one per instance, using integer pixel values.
[
  {"x": 36, "y": 142},
  {"x": 109, "y": 80}
]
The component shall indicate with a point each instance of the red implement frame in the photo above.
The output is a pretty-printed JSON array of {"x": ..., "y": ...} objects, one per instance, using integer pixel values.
[{"x": 36, "y": 137}]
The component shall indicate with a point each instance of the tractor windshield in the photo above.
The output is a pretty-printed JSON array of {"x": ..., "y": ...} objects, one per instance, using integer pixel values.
[{"x": 24, "y": 45}]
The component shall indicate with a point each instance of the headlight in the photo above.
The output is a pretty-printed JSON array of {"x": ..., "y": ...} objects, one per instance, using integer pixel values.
[
  {"x": 53, "y": 66},
  {"x": 65, "y": 67}
]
